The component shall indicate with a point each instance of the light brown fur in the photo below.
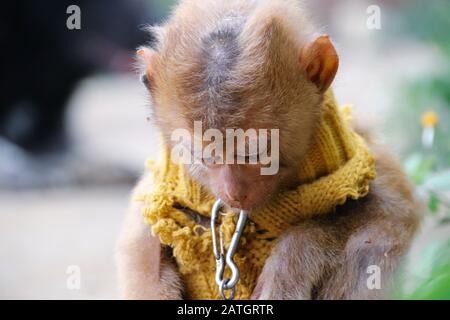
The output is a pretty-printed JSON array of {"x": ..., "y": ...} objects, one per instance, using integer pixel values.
[
  {"x": 143, "y": 269},
  {"x": 252, "y": 64}
]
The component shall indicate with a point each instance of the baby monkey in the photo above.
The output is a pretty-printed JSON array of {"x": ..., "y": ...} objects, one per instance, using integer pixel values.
[{"x": 261, "y": 64}]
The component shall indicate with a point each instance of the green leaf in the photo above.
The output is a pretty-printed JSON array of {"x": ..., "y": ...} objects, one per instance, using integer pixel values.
[
  {"x": 433, "y": 203},
  {"x": 436, "y": 288},
  {"x": 418, "y": 167},
  {"x": 430, "y": 276}
]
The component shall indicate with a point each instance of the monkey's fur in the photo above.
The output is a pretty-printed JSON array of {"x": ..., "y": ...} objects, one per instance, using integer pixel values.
[{"x": 243, "y": 64}]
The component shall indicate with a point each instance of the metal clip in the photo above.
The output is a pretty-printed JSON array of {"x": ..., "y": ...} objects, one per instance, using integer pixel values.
[{"x": 221, "y": 260}]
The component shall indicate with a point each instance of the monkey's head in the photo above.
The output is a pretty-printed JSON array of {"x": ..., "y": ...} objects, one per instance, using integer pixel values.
[{"x": 249, "y": 71}]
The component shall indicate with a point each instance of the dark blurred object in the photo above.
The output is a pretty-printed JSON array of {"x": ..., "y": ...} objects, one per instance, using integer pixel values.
[{"x": 42, "y": 61}]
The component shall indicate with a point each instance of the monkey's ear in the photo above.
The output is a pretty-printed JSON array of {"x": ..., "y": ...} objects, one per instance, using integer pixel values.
[
  {"x": 320, "y": 61},
  {"x": 149, "y": 58}
]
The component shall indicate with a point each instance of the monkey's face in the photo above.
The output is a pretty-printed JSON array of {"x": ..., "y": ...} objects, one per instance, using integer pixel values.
[
  {"x": 243, "y": 177},
  {"x": 249, "y": 185}
]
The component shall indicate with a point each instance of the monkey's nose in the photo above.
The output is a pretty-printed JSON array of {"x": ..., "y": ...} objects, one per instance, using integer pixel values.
[{"x": 234, "y": 196}]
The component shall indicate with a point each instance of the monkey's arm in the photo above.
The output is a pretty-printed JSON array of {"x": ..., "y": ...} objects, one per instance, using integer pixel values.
[
  {"x": 143, "y": 271},
  {"x": 296, "y": 264},
  {"x": 334, "y": 257},
  {"x": 311, "y": 262},
  {"x": 380, "y": 231}
]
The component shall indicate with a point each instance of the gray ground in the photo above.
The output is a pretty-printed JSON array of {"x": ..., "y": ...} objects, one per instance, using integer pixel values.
[{"x": 43, "y": 233}]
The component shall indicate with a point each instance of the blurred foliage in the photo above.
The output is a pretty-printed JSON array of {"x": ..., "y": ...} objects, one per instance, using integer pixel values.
[
  {"x": 428, "y": 167},
  {"x": 427, "y": 93},
  {"x": 430, "y": 278},
  {"x": 432, "y": 185},
  {"x": 429, "y": 21}
]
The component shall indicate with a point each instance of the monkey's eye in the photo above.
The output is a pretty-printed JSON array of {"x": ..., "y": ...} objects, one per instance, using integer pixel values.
[
  {"x": 212, "y": 161},
  {"x": 250, "y": 156},
  {"x": 251, "y": 159},
  {"x": 144, "y": 80},
  {"x": 207, "y": 161}
]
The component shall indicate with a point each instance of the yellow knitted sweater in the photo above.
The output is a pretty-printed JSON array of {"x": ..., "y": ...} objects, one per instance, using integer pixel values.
[{"x": 338, "y": 166}]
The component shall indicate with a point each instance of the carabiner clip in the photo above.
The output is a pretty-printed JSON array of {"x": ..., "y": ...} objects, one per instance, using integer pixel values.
[{"x": 221, "y": 260}]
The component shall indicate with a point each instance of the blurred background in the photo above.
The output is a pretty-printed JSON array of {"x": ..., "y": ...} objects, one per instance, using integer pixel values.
[{"x": 74, "y": 133}]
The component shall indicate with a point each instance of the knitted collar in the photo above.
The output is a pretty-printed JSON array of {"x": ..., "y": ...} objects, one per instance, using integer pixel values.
[{"x": 337, "y": 166}]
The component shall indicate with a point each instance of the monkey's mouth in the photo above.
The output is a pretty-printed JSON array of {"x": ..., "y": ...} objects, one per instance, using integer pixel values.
[{"x": 250, "y": 204}]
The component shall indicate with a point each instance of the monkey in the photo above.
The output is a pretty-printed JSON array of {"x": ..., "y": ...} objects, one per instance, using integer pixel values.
[{"x": 261, "y": 64}]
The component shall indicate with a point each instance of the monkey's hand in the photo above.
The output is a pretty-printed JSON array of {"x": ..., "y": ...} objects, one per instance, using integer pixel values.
[
  {"x": 295, "y": 265},
  {"x": 143, "y": 271}
]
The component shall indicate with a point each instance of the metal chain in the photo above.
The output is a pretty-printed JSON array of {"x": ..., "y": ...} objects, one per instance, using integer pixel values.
[{"x": 223, "y": 261}]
